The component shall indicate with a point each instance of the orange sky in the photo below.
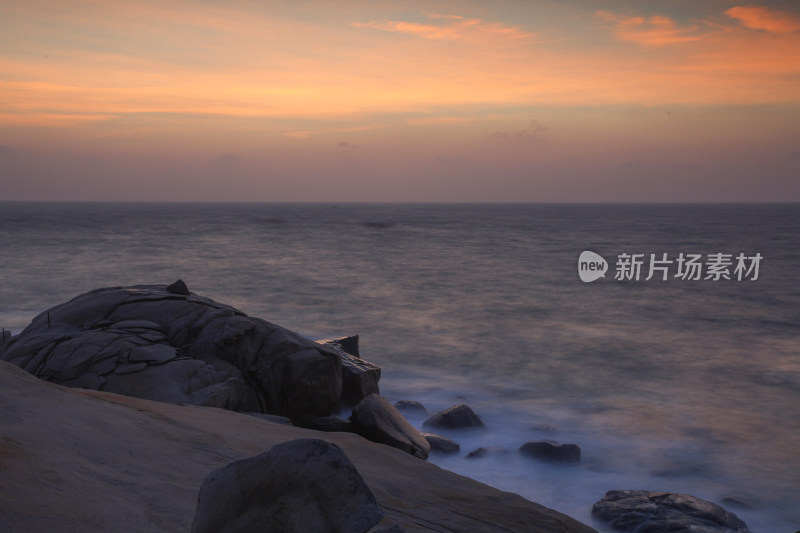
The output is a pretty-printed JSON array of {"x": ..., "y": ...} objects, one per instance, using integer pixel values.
[{"x": 382, "y": 101}]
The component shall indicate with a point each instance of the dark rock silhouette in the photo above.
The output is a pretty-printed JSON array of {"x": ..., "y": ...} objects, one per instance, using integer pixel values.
[
  {"x": 456, "y": 417},
  {"x": 642, "y": 510},
  {"x": 299, "y": 485},
  {"x": 441, "y": 444},
  {"x": 552, "y": 452}
]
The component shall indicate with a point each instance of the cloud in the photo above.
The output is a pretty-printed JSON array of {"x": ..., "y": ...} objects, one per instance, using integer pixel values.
[
  {"x": 533, "y": 132},
  {"x": 445, "y": 27},
  {"x": 347, "y": 146},
  {"x": 656, "y": 30},
  {"x": 763, "y": 18}
]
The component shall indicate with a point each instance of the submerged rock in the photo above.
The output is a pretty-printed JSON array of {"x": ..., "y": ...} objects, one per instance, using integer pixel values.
[
  {"x": 376, "y": 419},
  {"x": 299, "y": 485},
  {"x": 164, "y": 343},
  {"x": 644, "y": 511},
  {"x": 456, "y": 417},
  {"x": 411, "y": 407},
  {"x": 552, "y": 452},
  {"x": 485, "y": 451}
]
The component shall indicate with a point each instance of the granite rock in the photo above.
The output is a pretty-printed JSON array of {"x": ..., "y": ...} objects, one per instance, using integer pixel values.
[
  {"x": 643, "y": 511},
  {"x": 300, "y": 485}
]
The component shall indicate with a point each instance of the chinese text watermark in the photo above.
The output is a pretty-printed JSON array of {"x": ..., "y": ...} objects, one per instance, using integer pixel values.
[{"x": 685, "y": 266}]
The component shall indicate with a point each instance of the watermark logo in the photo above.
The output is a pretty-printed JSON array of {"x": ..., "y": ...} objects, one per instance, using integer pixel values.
[
  {"x": 591, "y": 266},
  {"x": 685, "y": 266}
]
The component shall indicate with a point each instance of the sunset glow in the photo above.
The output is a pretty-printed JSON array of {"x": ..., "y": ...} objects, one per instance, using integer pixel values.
[{"x": 414, "y": 102}]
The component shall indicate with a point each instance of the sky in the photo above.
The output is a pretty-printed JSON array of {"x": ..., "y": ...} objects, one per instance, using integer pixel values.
[{"x": 383, "y": 100}]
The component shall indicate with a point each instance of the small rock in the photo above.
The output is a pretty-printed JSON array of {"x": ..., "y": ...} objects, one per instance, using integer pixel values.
[
  {"x": 359, "y": 377},
  {"x": 642, "y": 510},
  {"x": 411, "y": 407},
  {"x": 552, "y": 452},
  {"x": 179, "y": 287},
  {"x": 456, "y": 417},
  {"x": 374, "y": 418},
  {"x": 299, "y": 485},
  {"x": 130, "y": 368},
  {"x": 484, "y": 451},
  {"x": 441, "y": 444}
]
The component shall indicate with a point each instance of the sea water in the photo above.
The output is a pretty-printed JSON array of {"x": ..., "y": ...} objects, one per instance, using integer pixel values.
[{"x": 681, "y": 385}]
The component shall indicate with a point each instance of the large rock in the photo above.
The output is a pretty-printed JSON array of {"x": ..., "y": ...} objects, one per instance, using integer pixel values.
[
  {"x": 643, "y": 511},
  {"x": 166, "y": 344},
  {"x": 359, "y": 377},
  {"x": 297, "y": 486},
  {"x": 456, "y": 417},
  {"x": 552, "y": 452},
  {"x": 376, "y": 419}
]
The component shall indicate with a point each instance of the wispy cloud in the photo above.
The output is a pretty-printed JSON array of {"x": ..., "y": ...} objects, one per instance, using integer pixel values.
[
  {"x": 656, "y": 30},
  {"x": 763, "y": 18},
  {"x": 448, "y": 27}
]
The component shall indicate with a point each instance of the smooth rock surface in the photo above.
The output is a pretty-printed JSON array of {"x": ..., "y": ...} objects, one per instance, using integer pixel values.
[
  {"x": 376, "y": 419},
  {"x": 644, "y": 511},
  {"x": 456, "y": 417},
  {"x": 329, "y": 423},
  {"x": 77, "y": 460},
  {"x": 301, "y": 485},
  {"x": 551, "y": 451},
  {"x": 441, "y": 444}
]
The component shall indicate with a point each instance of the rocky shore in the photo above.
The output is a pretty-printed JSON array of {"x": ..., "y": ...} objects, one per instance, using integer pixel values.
[{"x": 173, "y": 397}]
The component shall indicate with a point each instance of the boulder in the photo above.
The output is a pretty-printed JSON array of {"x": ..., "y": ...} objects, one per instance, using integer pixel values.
[
  {"x": 166, "y": 344},
  {"x": 411, "y": 407},
  {"x": 376, "y": 419},
  {"x": 551, "y": 451},
  {"x": 645, "y": 511},
  {"x": 299, "y": 485},
  {"x": 359, "y": 377},
  {"x": 441, "y": 444},
  {"x": 456, "y": 417}
]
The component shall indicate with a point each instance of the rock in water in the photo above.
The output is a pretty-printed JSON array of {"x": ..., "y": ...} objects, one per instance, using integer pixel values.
[
  {"x": 456, "y": 417},
  {"x": 376, "y": 419},
  {"x": 441, "y": 444},
  {"x": 300, "y": 485},
  {"x": 163, "y": 343},
  {"x": 642, "y": 510},
  {"x": 552, "y": 452},
  {"x": 411, "y": 407}
]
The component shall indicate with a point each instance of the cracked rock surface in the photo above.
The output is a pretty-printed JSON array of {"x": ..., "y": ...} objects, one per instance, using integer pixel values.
[{"x": 167, "y": 344}]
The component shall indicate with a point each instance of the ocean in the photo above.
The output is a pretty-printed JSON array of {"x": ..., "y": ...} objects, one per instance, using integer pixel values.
[{"x": 680, "y": 385}]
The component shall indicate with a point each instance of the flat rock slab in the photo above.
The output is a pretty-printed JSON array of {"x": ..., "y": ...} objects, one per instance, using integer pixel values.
[
  {"x": 78, "y": 460},
  {"x": 643, "y": 511},
  {"x": 299, "y": 485}
]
